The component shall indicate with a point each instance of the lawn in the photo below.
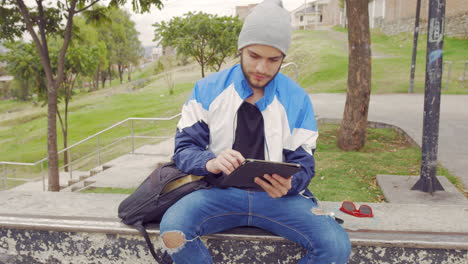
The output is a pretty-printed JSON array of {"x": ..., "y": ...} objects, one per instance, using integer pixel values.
[
  {"x": 321, "y": 57},
  {"x": 351, "y": 176}
]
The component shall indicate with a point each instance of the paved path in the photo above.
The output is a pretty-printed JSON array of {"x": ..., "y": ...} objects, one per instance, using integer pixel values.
[{"x": 406, "y": 112}]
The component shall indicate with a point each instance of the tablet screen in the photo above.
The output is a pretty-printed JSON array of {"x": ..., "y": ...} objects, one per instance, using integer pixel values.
[{"x": 245, "y": 174}]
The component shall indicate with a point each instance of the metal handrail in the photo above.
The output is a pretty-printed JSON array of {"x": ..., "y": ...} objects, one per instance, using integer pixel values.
[
  {"x": 117, "y": 124},
  {"x": 296, "y": 69},
  {"x": 96, "y": 135}
]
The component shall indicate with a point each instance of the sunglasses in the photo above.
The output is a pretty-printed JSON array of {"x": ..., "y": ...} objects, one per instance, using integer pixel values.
[{"x": 363, "y": 211}]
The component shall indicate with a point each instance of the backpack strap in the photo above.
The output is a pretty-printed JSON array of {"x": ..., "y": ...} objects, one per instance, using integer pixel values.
[{"x": 166, "y": 259}]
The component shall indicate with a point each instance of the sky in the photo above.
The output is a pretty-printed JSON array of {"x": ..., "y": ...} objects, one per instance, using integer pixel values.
[{"x": 173, "y": 8}]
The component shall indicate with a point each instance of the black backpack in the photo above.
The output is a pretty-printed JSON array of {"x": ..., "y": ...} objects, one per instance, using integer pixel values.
[{"x": 148, "y": 204}]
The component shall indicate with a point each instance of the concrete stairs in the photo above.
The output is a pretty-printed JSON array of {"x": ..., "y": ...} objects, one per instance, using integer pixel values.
[
  {"x": 126, "y": 171},
  {"x": 129, "y": 170}
]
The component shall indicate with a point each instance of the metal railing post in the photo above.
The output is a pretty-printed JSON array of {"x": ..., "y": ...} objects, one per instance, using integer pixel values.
[
  {"x": 132, "y": 133},
  {"x": 43, "y": 177},
  {"x": 4, "y": 177},
  {"x": 464, "y": 74},
  {"x": 69, "y": 165},
  {"x": 296, "y": 71},
  {"x": 448, "y": 74},
  {"x": 99, "y": 151}
]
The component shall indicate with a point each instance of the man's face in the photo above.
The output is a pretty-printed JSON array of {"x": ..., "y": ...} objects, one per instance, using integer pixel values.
[{"x": 260, "y": 64}]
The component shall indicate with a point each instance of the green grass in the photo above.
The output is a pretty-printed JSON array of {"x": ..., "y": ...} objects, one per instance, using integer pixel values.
[
  {"x": 24, "y": 138},
  {"x": 109, "y": 190},
  {"x": 351, "y": 176},
  {"x": 323, "y": 62}
]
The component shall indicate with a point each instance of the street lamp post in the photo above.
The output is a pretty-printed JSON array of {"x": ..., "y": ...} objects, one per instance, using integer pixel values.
[{"x": 435, "y": 41}]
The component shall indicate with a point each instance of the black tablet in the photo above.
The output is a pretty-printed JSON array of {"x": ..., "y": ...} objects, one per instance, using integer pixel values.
[{"x": 245, "y": 174}]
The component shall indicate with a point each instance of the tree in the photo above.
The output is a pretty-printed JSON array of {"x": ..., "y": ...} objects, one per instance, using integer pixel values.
[
  {"x": 352, "y": 134},
  {"x": 80, "y": 61},
  {"x": 228, "y": 29},
  {"x": 87, "y": 35},
  {"x": 24, "y": 64},
  {"x": 41, "y": 21},
  {"x": 123, "y": 46},
  {"x": 207, "y": 38}
]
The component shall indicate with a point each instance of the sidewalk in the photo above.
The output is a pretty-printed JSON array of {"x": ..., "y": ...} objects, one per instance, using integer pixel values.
[{"x": 406, "y": 112}]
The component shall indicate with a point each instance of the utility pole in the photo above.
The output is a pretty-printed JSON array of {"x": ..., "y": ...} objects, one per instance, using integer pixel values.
[
  {"x": 428, "y": 181},
  {"x": 415, "y": 46},
  {"x": 304, "y": 17}
]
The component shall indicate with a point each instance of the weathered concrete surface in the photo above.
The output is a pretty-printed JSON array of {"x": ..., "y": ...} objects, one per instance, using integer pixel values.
[
  {"x": 40, "y": 246},
  {"x": 38, "y": 227},
  {"x": 388, "y": 216},
  {"x": 397, "y": 189}
]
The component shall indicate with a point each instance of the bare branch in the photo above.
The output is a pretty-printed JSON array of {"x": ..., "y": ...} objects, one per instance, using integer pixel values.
[
  {"x": 66, "y": 41},
  {"x": 30, "y": 26},
  {"x": 88, "y": 6},
  {"x": 42, "y": 25}
]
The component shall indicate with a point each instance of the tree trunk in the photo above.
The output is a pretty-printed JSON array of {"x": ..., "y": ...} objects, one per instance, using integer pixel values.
[
  {"x": 97, "y": 77},
  {"x": 54, "y": 182},
  {"x": 65, "y": 153},
  {"x": 121, "y": 69},
  {"x": 110, "y": 76},
  {"x": 202, "y": 64},
  {"x": 103, "y": 80},
  {"x": 352, "y": 134},
  {"x": 129, "y": 74}
]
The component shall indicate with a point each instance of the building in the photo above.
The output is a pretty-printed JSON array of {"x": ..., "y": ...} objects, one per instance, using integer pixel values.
[
  {"x": 311, "y": 14},
  {"x": 397, "y": 16},
  {"x": 243, "y": 11},
  {"x": 3, "y": 50},
  {"x": 390, "y": 16}
]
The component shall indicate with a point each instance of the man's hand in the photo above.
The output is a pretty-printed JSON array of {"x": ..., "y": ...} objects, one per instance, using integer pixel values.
[
  {"x": 278, "y": 186},
  {"x": 226, "y": 162}
]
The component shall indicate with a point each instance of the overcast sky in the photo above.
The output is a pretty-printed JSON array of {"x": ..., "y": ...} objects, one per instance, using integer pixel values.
[{"x": 174, "y": 8}]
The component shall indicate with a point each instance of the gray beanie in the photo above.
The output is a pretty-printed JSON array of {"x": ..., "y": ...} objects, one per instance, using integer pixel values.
[{"x": 268, "y": 24}]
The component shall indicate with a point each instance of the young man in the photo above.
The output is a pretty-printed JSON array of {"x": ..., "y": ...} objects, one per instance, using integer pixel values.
[{"x": 251, "y": 111}]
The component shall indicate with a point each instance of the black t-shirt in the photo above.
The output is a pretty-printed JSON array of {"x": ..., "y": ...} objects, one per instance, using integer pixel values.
[{"x": 250, "y": 134}]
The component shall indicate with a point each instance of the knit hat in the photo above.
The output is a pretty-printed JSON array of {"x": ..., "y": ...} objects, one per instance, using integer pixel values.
[{"x": 268, "y": 24}]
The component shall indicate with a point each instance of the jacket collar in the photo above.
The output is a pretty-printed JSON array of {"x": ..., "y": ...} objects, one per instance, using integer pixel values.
[{"x": 244, "y": 90}]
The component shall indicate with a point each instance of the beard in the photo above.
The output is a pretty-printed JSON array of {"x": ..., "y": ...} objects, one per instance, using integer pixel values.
[{"x": 247, "y": 76}]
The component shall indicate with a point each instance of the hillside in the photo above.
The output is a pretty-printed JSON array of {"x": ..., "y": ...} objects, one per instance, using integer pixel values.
[{"x": 320, "y": 55}]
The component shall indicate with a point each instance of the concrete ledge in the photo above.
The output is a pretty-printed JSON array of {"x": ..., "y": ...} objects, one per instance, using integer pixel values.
[
  {"x": 38, "y": 227},
  {"x": 41, "y": 239},
  {"x": 426, "y": 240}
]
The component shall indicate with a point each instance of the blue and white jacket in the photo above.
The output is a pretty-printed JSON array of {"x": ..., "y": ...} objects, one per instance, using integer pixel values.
[{"x": 209, "y": 119}]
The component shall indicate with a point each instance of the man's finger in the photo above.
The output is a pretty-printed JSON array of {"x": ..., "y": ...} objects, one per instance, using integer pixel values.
[
  {"x": 236, "y": 157},
  {"x": 268, "y": 188},
  {"x": 278, "y": 185},
  {"x": 285, "y": 182},
  {"x": 232, "y": 161},
  {"x": 227, "y": 165},
  {"x": 233, "y": 157}
]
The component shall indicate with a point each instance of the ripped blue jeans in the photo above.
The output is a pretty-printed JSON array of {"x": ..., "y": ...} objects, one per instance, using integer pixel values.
[{"x": 214, "y": 210}]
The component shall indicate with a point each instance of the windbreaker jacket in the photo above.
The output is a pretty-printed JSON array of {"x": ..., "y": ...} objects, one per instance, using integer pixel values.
[{"x": 209, "y": 118}]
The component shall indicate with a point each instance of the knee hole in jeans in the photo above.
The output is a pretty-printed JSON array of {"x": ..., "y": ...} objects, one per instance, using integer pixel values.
[{"x": 173, "y": 239}]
